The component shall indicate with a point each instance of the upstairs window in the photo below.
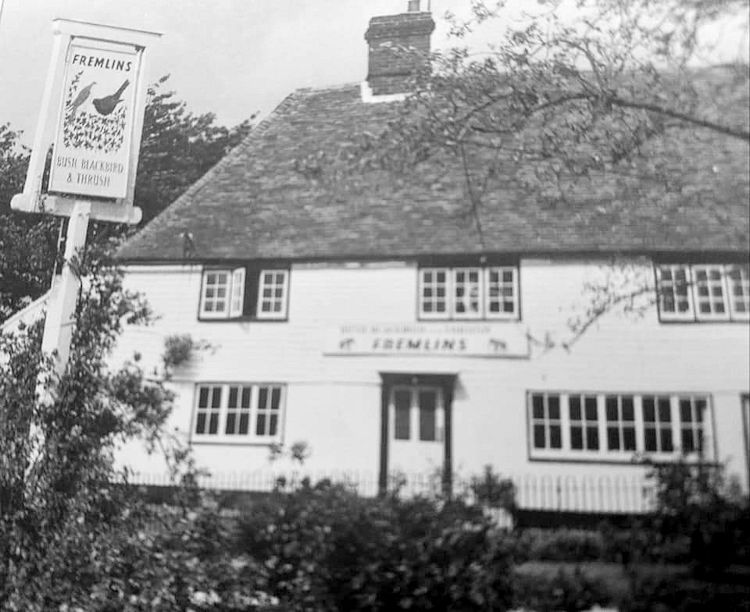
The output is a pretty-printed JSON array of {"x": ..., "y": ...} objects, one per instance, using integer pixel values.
[
  {"x": 239, "y": 412},
  {"x": 468, "y": 293},
  {"x": 703, "y": 292},
  {"x": 244, "y": 292},
  {"x": 272, "y": 294},
  {"x": 738, "y": 284}
]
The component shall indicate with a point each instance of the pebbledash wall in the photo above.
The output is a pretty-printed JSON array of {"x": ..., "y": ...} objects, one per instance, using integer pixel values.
[{"x": 334, "y": 389}]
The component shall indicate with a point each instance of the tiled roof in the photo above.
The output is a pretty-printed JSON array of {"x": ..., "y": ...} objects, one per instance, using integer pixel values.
[{"x": 274, "y": 197}]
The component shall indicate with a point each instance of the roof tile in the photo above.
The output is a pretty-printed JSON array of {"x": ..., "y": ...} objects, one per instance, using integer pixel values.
[{"x": 273, "y": 197}]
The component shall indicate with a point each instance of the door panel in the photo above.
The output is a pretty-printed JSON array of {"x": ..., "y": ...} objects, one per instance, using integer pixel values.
[{"x": 417, "y": 426}]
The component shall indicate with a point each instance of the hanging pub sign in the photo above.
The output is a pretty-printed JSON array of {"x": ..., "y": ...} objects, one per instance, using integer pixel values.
[
  {"x": 91, "y": 118},
  {"x": 94, "y": 132}
]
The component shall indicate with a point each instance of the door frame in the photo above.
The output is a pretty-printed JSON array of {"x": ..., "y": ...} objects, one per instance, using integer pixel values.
[
  {"x": 745, "y": 407},
  {"x": 446, "y": 383}
]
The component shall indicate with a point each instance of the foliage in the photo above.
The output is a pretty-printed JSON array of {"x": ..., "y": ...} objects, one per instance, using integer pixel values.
[
  {"x": 177, "y": 148},
  {"x": 493, "y": 491},
  {"x": 649, "y": 593},
  {"x": 695, "y": 501},
  {"x": 570, "y": 91},
  {"x": 329, "y": 549},
  {"x": 574, "y": 545},
  {"x": 569, "y": 591},
  {"x": 59, "y": 487},
  {"x": 27, "y": 244},
  {"x": 179, "y": 349},
  {"x": 146, "y": 558},
  {"x": 298, "y": 452}
]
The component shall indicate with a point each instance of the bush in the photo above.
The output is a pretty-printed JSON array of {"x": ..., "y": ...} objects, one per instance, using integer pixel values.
[
  {"x": 695, "y": 504},
  {"x": 649, "y": 594},
  {"x": 329, "y": 549},
  {"x": 164, "y": 559},
  {"x": 561, "y": 545},
  {"x": 569, "y": 591}
]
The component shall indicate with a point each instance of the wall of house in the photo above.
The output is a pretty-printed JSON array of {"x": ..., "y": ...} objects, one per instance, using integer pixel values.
[{"x": 333, "y": 402}]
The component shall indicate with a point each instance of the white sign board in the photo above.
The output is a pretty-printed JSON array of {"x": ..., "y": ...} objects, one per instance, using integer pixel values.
[
  {"x": 94, "y": 130},
  {"x": 429, "y": 339},
  {"x": 92, "y": 117}
]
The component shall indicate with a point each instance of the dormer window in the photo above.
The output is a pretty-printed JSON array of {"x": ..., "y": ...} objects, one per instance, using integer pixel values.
[{"x": 244, "y": 292}]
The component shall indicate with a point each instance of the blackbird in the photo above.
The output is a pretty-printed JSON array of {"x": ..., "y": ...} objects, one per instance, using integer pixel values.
[
  {"x": 82, "y": 96},
  {"x": 105, "y": 105}
]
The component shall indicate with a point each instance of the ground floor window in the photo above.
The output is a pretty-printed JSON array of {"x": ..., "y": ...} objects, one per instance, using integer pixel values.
[
  {"x": 617, "y": 426},
  {"x": 238, "y": 412}
]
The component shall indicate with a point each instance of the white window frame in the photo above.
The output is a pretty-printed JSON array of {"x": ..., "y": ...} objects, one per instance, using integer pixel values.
[
  {"x": 234, "y": 298},
  {"x": 658, "y": 425},
  {"x": 710, "y": 285},
  {"x": 500, "y": 271},
  {"x": 206, "y": 299},
  {"x": 448, "y": 294},
  {"x": 547, "y": 422},
  {"x": 727, "y": 284},
  {"x": 483, "y": 299},
  {"x": 621, "y": 424},
  {"x": 744, "y": 284},
  {"x": 284, "y": 299},
  {"x": 479, "y": 298},
  {"x": 603, "y": 454},
  {"x": 697, "y": 426},
  {"x": 675, "y": 315},
  {"x": 251, "y": 437},
  {"x": 584, "y": 423}
]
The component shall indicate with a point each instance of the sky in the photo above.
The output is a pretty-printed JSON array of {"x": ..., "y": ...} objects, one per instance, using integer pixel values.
[{"x": 229, "y": 57}]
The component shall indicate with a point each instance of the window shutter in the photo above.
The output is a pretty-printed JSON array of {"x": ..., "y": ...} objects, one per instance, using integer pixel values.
[{"x": 238, "y": 293}]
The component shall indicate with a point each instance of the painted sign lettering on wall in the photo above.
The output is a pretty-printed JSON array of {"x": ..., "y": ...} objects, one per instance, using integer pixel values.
[
  {"x": 428, "y": 339},
  {"x": 93, "y": 136}
]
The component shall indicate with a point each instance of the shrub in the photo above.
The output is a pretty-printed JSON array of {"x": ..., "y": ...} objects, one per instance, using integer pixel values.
[
  {"x": 569, "y": 591},
  {"x": 493, "y": 491},
  {"x": 649, "y": 593},
  {"x": 561, "y": 545},
  {"x": 165, "y": 559},
  {"x": 695, "y": 503},
  {"x": 329, "y": 549}
]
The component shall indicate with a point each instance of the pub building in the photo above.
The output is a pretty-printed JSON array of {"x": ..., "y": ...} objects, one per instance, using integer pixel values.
[{"x": 367, "y": 316}]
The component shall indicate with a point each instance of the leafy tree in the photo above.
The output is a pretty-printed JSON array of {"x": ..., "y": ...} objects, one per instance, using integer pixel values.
[
  {"x": 177, "y": 148},
  {"x": 576, "y": 93},
  {"x": 56, "y": 467},
  {"x": 585, "y": 104}
]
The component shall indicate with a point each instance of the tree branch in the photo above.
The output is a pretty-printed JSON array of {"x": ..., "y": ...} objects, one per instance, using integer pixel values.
[{"x": 711, "y": 125}]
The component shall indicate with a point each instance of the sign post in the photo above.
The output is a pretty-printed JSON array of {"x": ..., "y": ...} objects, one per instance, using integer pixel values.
[{"x": 91, "y": 121}]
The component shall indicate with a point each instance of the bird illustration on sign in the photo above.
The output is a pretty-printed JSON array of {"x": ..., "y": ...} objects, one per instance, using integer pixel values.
[
  {"x": 94, "y": 123},
  {"x": 105, "y": 106},
  {"x": 82, "y": 96}
]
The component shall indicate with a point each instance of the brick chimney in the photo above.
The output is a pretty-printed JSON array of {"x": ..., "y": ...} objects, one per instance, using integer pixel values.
[{"x": 399, "y": 46}]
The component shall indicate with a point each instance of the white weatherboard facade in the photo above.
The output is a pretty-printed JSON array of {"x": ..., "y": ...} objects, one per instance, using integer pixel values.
[{"x": 335, "y": 402}]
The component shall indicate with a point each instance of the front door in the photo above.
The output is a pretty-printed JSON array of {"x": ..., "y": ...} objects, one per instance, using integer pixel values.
[{"x": 417, "y": 431}]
